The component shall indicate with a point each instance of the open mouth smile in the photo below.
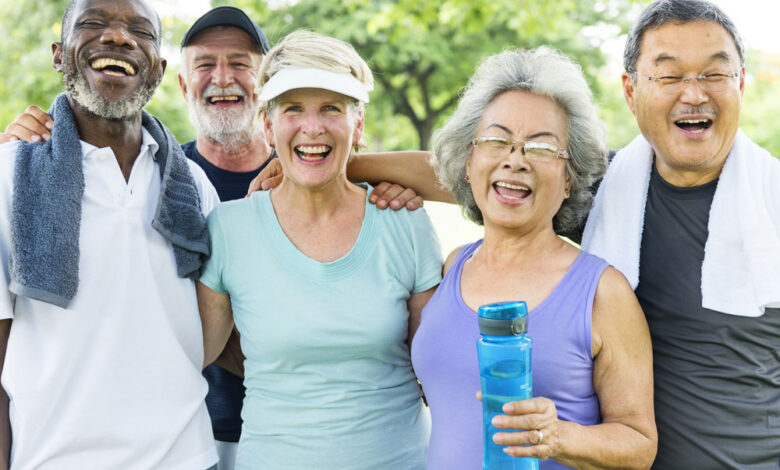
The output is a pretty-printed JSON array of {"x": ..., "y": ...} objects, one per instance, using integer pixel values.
[
  {"x": 113, "y": 67},
  {"x": 511, "y": 192},
  {"x": 694, "y": 126},
  {"x": 224, "y": 99},
  {"x": 312, "y": 153}
]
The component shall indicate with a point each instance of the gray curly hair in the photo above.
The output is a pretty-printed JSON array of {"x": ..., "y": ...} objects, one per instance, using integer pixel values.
[{"x": 541, "y": 71}]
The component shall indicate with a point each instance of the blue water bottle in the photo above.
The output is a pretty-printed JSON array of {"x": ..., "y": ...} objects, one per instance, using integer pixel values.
[{"x": 504, "y": 353}]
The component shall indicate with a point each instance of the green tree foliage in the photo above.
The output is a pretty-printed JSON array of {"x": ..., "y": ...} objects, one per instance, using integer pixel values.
[
  {"x": 27, "y": 77},
  {"x": 422, "y": 53},
  {"x": 762, "y": 101}
]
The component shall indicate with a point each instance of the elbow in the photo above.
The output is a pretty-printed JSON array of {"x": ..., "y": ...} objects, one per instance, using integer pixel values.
[{"x": 644, "y": 455}]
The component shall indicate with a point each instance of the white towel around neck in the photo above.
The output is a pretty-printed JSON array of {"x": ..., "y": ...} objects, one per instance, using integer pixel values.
[{"x": 741, "y": 268}]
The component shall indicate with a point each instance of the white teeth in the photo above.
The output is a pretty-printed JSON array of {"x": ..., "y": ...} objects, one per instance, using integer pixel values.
[
  {"x": 313, "y": 148},
  {"x": 512, "y": 186},
  {"x": 103, "y": 62},
  {"x": 215, "y": 99},
  {"x": 693, "y": 121}
]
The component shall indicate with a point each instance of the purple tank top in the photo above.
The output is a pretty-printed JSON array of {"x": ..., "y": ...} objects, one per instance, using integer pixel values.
[{"x": 444, "y": 356}]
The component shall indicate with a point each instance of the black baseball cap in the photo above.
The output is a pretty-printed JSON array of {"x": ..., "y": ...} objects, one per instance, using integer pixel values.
[{"x": 227, "y": 16}]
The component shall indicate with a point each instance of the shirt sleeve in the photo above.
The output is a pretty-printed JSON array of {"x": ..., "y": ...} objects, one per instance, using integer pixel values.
[
  {"x": 213, "y": 270},
  {"x": 7, "y": 159},
  {"x": 208, "y": 195},
  {"x": 427, "y": 252}
]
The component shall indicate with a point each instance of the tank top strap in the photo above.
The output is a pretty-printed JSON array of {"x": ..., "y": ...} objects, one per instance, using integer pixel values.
[
  {"x": 585, "y": 271},
  {"x": 465, "y": 253}
]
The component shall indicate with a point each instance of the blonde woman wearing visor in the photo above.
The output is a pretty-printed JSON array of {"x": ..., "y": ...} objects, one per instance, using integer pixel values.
[{"x": 322, "y": 286}]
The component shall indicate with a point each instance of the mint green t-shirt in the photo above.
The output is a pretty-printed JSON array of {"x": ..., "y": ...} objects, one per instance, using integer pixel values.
[{"x": 328, "y": 374}]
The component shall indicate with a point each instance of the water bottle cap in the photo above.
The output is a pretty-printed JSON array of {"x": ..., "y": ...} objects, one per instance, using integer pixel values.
[{"x": 503, "y": 318}]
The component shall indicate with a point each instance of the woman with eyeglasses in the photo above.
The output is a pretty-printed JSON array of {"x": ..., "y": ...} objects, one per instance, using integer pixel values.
[{"x": 519, "y": 154}]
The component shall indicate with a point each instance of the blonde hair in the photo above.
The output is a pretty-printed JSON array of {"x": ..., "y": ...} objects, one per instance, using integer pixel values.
[{"x": 312, "y": 50}]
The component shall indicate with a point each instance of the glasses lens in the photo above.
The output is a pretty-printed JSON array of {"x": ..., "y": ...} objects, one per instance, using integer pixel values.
[
  {"x": 540, "y": 151},
  {"x": 497, "y": 146},
  {"x": 712, "y": 83}
]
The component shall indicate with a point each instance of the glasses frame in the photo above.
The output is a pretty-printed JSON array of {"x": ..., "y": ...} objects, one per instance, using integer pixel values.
[
  {"x": 561, "y": 153},
  {"x": 701, "y": 79}
]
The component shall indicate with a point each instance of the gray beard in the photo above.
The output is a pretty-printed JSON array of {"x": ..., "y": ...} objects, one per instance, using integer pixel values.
[
  {"x": 78, "y": 89},
  {"x": 232, "y": 129}
]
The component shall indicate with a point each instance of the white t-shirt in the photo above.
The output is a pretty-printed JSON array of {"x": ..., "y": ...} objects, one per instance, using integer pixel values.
[{"x": 114, "y": 381}]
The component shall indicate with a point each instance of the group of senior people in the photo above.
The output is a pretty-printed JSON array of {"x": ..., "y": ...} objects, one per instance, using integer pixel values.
[
  {"x": 342, "y": 307},
  {"x": 327, "y": 291}
]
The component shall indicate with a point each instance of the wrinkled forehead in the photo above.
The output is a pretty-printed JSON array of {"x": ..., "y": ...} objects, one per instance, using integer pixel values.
[
  {"x": 131, "y": 11},
  {"x": 222, "y": 41},
  {"x": 693, "y": 43}
]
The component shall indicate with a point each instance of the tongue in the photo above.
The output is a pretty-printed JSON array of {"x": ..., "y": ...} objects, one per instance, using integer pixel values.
[{"x": 513, "y": 193}]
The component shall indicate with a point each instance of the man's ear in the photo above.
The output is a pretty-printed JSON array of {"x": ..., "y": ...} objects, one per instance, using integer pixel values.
[
  {"x": 56, "y": 56},
  {"x": 182, "y": 85},
  {"x": 628, "y": 91},
  {"x": 164, "y": 65}
]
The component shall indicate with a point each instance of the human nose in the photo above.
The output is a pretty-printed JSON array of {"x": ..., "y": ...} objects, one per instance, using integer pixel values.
[
  {"x": 222, "y": 75},
  {"x": 693, "y": 92},
  {"x": 118, "y": 35},
  {"x": 311, "y": 124},
  {"x": 516, "y": 159}
]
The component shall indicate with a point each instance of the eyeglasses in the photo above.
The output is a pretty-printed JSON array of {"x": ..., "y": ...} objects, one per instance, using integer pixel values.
[
  {"x": 674, "y": 84},
  {"x": 499, "y": 147}
]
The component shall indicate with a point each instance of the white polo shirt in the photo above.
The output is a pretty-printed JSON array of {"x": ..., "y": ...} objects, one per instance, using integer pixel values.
[{"x": 114, "y": 381}]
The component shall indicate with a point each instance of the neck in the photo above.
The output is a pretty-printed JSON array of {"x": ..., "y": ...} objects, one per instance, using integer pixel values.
[
  {"x": 316, "y": 204},
  {"x": 518, "y": 250},
  {"x": 248, "y": 157},
  {"x": 123, "y": 137}
]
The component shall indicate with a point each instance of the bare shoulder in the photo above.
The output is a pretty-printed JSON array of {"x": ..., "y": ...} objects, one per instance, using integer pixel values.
[
  {"x": 616, "y": 311},
  {"x": 451, "y": 259},
  {"x": 613, "y": 287}
]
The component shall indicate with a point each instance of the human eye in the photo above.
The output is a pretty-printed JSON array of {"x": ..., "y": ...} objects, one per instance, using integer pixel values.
[
  {"x": 540, "y": 150},
  {"x": 494, "y": 144},
  {"x": 669, "y": 79},
  {"x": 90, "y": 23},
  {"x": 715, "y": 77},
  {"x": 144, "y": 33},
  {"x": 292, "y": 108},
  {"x": 331, "y": 108}
]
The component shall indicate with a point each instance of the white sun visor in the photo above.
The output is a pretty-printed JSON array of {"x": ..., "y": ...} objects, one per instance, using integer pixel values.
[{"x": 292, "y": 78}]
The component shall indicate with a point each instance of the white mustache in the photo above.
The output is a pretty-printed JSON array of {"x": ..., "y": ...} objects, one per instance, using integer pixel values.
[{"x": 695, "y": 110}]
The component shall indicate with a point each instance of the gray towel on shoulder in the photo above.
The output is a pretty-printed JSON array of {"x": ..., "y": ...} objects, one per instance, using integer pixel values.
[{"x": 46, "y": 210}]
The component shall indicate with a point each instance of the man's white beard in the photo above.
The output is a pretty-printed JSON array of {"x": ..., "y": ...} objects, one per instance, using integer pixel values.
[{"x": 233, "y": 127}]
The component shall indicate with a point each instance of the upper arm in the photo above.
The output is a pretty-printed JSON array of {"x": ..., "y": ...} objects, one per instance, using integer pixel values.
[
  {"x": 415, "y": 304},
  {"x": 623, "y": 363},
  {"x": 216, "y": 315}
]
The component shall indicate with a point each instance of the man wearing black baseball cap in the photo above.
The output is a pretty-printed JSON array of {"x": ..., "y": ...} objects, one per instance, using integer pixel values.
[{"x": 221, "y": 55}]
